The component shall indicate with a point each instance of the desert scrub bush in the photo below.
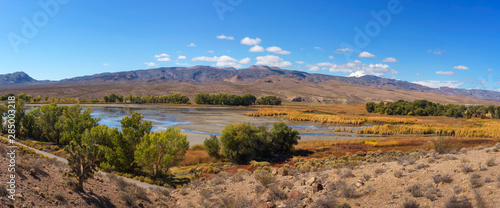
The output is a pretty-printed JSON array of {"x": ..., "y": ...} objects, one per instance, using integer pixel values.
[
  {"x": 198, "y": 147},
  {"x": 257, "y": 164},
  {"x": 327, "y": 202},
  {"x": 431, "y": 193},
  {"x": 457, "y": 189},
  {"x": 398, "y": 174},
  {"x": 467, "y": 169},
  {"x": 410, "y": 203},
  {"x": 3, "y": 191},
  {"x": 379, "y": 170},
  {"x": 454, "y": 202},
  {"x": 367, "y": 177},
  {"x": 442, "y": 145},
  {"x": 286, "y": 184},
  {"x": 488, "y": 179},
  {"x": 237, "y": 178},
  {"x": 442, "y": 178},
  {"x": 475, "y": 182},
  {"x": 217, "y": 181},
  {"x": 184, "y": 191},
  {"x": 490, "y": 162},
  {"x": 139, "y": 193},
  {"x": 349, "y": 192},
  {"x": 128, "y": 199},
  {"x": 276, "y": 193},
  {"x": 480, "y": 147},
  {"x": 415, "y": 190},
  {"x": 234, "y": 202},
  {"x": 205, "y": 195},
  {"x": 450, "y": 157},
  {"x": 407, "y": 160},
  {"x": 265, "y": 179},
  {"x": 259, "y": 189},
  {"x": 420, "y": 166},
  {"x": 211, "y": 170}
]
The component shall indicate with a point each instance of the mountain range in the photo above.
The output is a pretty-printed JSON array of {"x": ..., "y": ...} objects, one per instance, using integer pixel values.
[{"x": 207, "y": 75}]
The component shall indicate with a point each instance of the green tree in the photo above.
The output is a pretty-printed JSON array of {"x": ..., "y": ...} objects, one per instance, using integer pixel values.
[
  {"x": 242, "y": 143},
  {"x": 31, "y": 124},
  {"x": 212, "y": 146},
  {"x": 83, "y": 160},
  {"x": 283, "y": 138},
  {"x": 75, "y": 122},
  {"x": 370, "y": 107},
  {"x": 161, "y": 150},
  {"x": 50, "y": 124}
]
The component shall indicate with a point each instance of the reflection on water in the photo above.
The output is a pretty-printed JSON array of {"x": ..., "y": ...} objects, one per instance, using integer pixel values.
[{"x": 192, "y": 117}]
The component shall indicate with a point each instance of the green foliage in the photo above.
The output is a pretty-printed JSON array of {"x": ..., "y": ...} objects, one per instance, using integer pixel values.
[
  {"x": 224, "y": 99},
  {"x": 268, "y": 100},
  {"x": 83, "y": 160},
  {"x": 50, "y": 123},
  {"x": 30, "y": 124},
  {"x": 283, "y": 138},
  {"x": 427, "y": 108},
  {"x": 74, "y": 123},
  {"x": 161, "y": 150},
  {"x": 174, "y": 99},
  {"x": 212, "y": 146},
  {"x": 242, "y": 142}
]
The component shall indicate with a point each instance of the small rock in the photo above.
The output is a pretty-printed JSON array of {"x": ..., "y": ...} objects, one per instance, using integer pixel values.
[
  {"x": 317, "y": 187},
  {"x": 296, "y": 195},
  {"x": 311, "y": 181}
]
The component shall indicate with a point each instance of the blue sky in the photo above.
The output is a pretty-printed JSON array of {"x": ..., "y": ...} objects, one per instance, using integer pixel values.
[{"x": 435, "y": 43}]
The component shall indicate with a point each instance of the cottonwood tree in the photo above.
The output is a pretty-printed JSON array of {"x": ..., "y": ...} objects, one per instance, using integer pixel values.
[
  {"x": 283, "y": 138},
  {"x": 83, "y": 160},
  {"x": 212, "y": 146},
  {"x": 50, "y": 122},
  {"x": 74, "y": 123},
  {"x": 161, "y": 150},
  {"x": 242, "y": 142}
]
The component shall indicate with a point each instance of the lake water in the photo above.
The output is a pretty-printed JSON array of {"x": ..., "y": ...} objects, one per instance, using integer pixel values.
[{"x": 199, "y": 122}]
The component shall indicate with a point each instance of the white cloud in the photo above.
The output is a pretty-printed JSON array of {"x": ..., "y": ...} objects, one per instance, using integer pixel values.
[
  {"x": 446, "y": 73},
  {"x": 490, "y": 70},
  {"x": 256, "y": 48},
  {"x": 105, "y": 64},
  {"x": 250, "y": 41},
  {"x": 225, "y": 37},
  {"x": 220, "y": 61},
  {"x": 163, "y": 59},
  {"x": 330, "y": 57},
  {"x": 162, "y": 55},
  {"x": 438, "y": 84},
  {"x": 342, "y": 50},
  {"x": 436, "y": 51},
  {"x": 150, "y": 64},
  {"x": 461, "y": 67},
  {"x": 318, "y": 48},
  {"x": 278, "y": 50},
  {"x": 314, "y": 68},
  {"x": 390, "y": 60},
  {"x": 181, "y": 57},
  {"x": 299, "y": 62},
  {"x": 418, "y": 74},
  {"x": 356, "y": 68},
  {"x": 191, "y": 45},
  {"x": 210, "y": 51},
  {"x": 365, "y": 54},
  {"x": 271, "y": 60},
  {"x": 245, "y": 61}
]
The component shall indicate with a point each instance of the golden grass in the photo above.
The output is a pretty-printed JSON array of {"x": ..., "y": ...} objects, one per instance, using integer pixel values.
[{"x": 194, "y": 157}]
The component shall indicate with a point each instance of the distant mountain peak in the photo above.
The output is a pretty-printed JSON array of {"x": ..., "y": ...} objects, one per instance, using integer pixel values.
[{"x": 16, "y": 78}]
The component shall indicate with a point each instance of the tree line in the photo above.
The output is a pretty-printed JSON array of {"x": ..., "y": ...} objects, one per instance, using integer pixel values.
[
  {"x": 228, "y": 99},
  {"x": 174, "y": 99},
  {"x": 427, "y": 108}
]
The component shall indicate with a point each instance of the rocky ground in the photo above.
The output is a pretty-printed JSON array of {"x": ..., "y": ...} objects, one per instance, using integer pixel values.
[{"x": 467, "y": 177}]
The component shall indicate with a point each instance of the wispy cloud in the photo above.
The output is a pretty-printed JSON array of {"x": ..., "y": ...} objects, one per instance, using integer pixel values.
[
  {"x": 342, "y": 50},
  {"x": 105, "y": 64},
  {"x": 299, "y": 62},
  {"x": 278, "y": 50},
  {"x": 150, "y": 64},
  {"x": 438, "y": 84},
  {"x": 162, "y": 57},
  {"x": 250, "y": 41},
  {"x": 225, "y": 37},
  {"x": 271, "y": 60},
  {"x": 366, "y": 54},
  {"x": 445, "y": 73},
  {"x": 330, "y": 57},
  {"x": 181, "y": 57},
  {"x": 390, "y": 60},
  {"x": 461, "y": 67},
  {"x": 191, "y": 45},
  {"x": 490, "y": 70},
  {"x": 210, "y": 51},
  {"x": 436, "y": 51},
  {"x": 222, "y": 60}
]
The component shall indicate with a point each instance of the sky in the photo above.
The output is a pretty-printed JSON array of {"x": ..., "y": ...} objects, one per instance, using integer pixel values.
[{"x": 433, "y": 43}]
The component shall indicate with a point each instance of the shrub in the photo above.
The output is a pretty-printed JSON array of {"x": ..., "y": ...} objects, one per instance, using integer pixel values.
[
  {"x": 237, "y": 178},
  {"x": 490, "y": 162},
  {"x": 128, "y": 199},
  {"x": 467, "y": 169},
  {"x": 436, "y": 178},
  {"x": 242, "y": 143},
  {"x": 454, "y": 202},
  {"x": 447, "y": 178},
  {"x": 415, "y": 190},
  {"x": 442, "y": 145},
  {"x": 475, "y": 182},
  {"x": 265, "y": 179},
  {"x": 283, "y": 139},
  {"x": 3, "y": 191},
  {"x": 349, "y": 192},
  {"x": 256, "y": 164},
  {"x": 212, "y": 146},
  {"x": 198, "y": 147},
  {"x": 367, "y": 177},
  {"x": 326, "y": 202},
  {"x": 488, "y": 180},
  {"x": 259, "y": 189},
  {"x": 431, "y": 193},
  {"x": 277, "y": 193},
  {"x": 409, "y": 203},
  {"x": 379, "y": 170},
  {"x": 230, "y": 201},
  {"x": 140, "y": 193},
  {"x": 457, "y": 189},
  {"x": 398, "y": 174},
  {"x": 420, "y": 166}
]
